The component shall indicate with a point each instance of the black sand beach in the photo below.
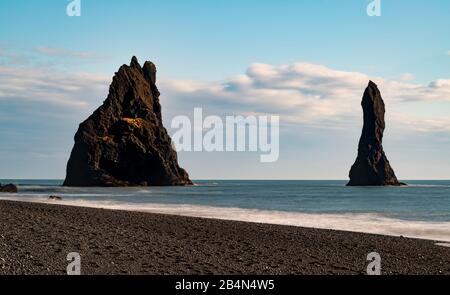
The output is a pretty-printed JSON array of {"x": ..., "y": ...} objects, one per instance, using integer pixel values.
[{"x": 36, "y": 238}]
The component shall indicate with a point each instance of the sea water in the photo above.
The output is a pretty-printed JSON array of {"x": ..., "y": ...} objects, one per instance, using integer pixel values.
[{"x": 420, "y": 210}]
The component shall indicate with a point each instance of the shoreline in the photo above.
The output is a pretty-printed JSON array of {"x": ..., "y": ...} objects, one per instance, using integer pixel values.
[
  {"x": 365, "y": 223},
  {"x": 36, "y": 238}
]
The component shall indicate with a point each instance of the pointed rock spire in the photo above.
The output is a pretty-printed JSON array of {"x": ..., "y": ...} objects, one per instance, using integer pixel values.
[
  {"x": 372, "y": 167},
  {"x": 135, "y": 63}
]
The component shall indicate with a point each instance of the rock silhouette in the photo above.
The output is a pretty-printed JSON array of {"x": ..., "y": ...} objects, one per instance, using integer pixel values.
[
  {"x": 372, "y": 167},
  {"x": 124, "y": 142},
  {"x": 9, "y": 188}
]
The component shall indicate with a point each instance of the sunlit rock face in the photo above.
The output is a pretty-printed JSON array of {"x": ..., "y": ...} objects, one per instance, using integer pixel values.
[{"x": 124, "y": 143}]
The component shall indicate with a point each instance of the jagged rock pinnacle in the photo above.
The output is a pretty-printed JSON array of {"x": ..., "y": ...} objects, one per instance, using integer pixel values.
[
  {"x": 124, "y": 143},
  {"x": 372, "y": 167}
]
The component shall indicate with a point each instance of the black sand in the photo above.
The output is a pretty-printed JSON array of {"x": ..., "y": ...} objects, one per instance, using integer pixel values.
[{"x": 36, "y": 238}]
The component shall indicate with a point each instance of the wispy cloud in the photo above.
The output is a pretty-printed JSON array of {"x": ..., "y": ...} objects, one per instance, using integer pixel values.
[
  {"x": 44, "y": 57},
  {"x": 39, "y": 85},
  {"x": 13, "y": 58},
  {"x": 62, "y": 52}
]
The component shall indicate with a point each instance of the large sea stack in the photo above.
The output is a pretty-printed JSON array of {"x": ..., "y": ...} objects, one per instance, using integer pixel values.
[
  {"x": 372, "y": 167},
  {"x": 124, "y": 142}
]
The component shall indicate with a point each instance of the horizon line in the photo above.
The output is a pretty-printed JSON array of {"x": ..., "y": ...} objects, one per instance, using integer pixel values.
[{"x": 246, "y": 179}]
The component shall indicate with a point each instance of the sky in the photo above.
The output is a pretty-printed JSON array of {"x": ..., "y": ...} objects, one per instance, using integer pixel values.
[{"x": 305, "y": 61}]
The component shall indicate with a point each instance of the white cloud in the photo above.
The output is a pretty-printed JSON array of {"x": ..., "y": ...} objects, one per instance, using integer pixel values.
[
  {"x": 31, "y": 84},
  {"x": 302, "y": 94},
  {"x": 308, "y": 94}
]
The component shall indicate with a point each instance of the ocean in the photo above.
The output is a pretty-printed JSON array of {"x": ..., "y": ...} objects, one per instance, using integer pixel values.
[{"x": 420, "y": 210}]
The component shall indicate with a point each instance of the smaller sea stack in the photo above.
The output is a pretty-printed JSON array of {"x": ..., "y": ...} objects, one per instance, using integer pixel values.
[{"x": 372, "y": 167}]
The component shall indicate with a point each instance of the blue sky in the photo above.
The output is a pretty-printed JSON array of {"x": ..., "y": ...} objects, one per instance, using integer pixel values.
[{"x": 64, "y": 65}]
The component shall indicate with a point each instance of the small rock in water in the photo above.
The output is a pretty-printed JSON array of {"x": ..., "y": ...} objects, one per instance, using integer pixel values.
[
  {"x": 56, "y": 198},
  {"x": 9, "y": 188}
]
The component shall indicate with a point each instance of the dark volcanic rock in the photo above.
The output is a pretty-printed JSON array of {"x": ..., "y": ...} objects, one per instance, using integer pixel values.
[
  {"x": 124, "y": 143},
  {"x": 372, "y": 167},
  {"x": 9, "y": 188}
]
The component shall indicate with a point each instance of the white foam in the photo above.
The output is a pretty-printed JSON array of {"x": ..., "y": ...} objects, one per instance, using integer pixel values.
[
  {"x": 366, "y": 223},
  {"x": 443, "y": 244}
]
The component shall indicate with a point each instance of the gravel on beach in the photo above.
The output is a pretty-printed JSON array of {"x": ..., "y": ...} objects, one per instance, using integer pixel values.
[{"x": 36, "y": 238}]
